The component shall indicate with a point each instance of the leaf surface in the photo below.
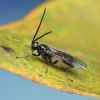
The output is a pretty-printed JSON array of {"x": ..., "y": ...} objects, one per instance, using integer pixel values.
[{"x": 76, "y": 31}]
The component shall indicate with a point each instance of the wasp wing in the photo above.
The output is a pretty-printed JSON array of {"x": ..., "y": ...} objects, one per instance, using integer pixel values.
[{"x": 68, "y": 59}]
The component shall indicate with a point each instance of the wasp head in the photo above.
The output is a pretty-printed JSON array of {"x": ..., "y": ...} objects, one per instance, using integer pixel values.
[{"x": 34, "y": 45}]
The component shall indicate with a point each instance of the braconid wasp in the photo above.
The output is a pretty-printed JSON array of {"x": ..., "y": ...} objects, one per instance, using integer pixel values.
[{"x": 52, "y": 55}]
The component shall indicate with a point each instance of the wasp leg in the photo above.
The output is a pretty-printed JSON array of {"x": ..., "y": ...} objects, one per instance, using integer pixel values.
[
  {"x": 66, "y": 72},
  {"x": 49, "y": 60},
  {"x": 55, "y": 62},
  {"x": 24, "y": 56},
  {"x": 29, "y": 55},
  {"x": 35, "y": 54}
]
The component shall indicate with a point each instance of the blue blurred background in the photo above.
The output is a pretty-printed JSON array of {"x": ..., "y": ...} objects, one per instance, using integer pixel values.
[{"x": 13, "y": 87}]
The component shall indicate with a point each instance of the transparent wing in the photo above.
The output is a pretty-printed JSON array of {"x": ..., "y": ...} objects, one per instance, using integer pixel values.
[
  {"x": 79, "y": 64},
  {"x": 68, "y": 59}
]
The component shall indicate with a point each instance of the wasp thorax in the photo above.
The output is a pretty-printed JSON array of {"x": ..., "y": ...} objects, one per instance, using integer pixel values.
[{"x": 34, "y": 45}]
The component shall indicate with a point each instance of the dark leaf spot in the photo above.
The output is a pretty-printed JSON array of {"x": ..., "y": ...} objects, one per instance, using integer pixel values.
[{"x": 7, "y": 49}]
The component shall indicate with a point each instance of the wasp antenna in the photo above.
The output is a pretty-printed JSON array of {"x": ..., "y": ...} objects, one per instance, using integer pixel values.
[
  {"x": 43, "y": 35},
  {"x": 39, "y": 23}
]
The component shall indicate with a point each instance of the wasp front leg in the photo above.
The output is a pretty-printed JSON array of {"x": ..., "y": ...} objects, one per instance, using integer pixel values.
[{"x": 23, "y": 56}]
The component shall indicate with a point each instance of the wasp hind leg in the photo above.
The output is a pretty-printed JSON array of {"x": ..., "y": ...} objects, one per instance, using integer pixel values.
[
  {"x": 55, "y": 62},
  {"x": 29, "y": 55},
  {"x": 66, "y": 72}
]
